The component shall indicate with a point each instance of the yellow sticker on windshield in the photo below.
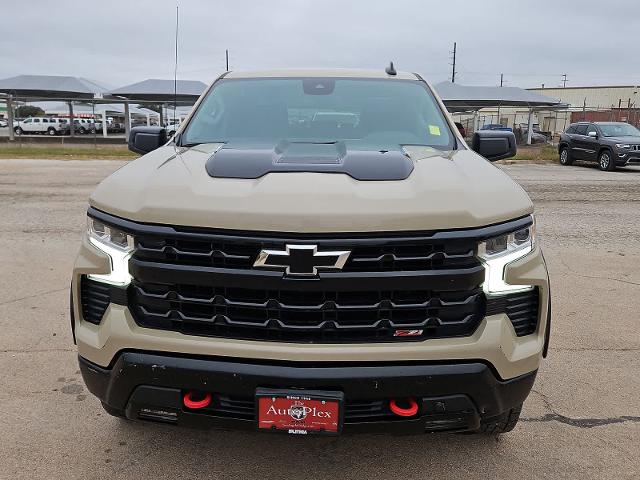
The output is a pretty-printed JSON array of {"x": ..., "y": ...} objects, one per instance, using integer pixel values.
[{"x": 434, "y": 130}]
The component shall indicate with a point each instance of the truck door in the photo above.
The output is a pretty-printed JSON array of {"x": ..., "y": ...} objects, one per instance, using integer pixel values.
[{"x": 36, "y": 125}]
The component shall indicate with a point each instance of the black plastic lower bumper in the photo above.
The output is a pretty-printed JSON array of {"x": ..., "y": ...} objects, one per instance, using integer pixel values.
[{"x": 451, "y": 396}]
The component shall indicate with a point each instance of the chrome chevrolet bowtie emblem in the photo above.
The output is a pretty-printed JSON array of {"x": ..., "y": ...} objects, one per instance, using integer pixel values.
[{"x": 301, "y": 259}]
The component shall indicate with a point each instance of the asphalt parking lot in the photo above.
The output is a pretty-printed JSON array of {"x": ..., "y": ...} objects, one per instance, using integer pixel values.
[{"x": 581, "y": 421}]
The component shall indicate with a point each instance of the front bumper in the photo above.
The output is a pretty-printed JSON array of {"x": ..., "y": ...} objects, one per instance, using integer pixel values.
[
  {"x": 628, "y": 157},
  {"x": 454, "y": 396}
]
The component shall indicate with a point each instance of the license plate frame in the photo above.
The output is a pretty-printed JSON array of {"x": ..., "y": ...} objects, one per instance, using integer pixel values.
[{"x": 311, "y": 412}]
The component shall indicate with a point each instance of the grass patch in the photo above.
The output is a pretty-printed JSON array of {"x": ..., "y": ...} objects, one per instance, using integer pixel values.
[
  {"x": 537, "y": 153},
  {"x": 70, "y": 153}
]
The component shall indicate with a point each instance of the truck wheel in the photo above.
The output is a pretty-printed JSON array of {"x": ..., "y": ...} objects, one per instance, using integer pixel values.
[
  {"x": 51, "y": 131},
  {"x": 114, "y": 412},
  {"x": 565, "y": 156},
  {"x": 606, "y": 161},
  {"x": 18, "y": 131},
  {"x": 502, "y": 424}
]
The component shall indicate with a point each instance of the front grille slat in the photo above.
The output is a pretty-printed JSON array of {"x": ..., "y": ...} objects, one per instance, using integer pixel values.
[
  {"x": 305, "y": 316},
  {"x": 522, "y": 308},
  {"x": 384, "y": 254}
]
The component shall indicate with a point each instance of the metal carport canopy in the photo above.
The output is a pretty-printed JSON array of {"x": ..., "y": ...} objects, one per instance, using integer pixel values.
[
  {"x": 51, "y": 87},
  {"x": 161, "y": 91},
  {"x": 458, "y": 97},
  {"x": 48, "y": 87}
]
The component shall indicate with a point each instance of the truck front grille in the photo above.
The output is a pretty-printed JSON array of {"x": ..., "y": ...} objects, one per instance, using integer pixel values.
[{"x": 395, "y": 287}]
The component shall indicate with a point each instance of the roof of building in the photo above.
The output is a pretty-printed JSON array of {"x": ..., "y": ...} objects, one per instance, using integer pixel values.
[
  {"x": 80, "y": 109},
  {"x": 593, "y": 87},
  {"x": 161, "y": 90},
  {"x": 461, "y": 97},
  {"x": 51, "y": 86}
]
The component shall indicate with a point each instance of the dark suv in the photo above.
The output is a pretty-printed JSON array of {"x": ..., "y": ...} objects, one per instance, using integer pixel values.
[{"x": 611, "y": 144}]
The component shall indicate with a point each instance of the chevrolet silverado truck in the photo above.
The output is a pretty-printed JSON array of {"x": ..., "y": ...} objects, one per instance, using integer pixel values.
[{"x": 275, "y": 268}]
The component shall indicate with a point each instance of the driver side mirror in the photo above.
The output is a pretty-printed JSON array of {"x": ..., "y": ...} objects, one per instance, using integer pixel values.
[
  {"x": 593, "y": 134},
  {"x": 146, "y": 139},
  {"x": 494, "y": 144}
]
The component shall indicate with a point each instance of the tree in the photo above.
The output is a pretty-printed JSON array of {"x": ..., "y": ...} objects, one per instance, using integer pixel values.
[{"x": 24, "y": 111}]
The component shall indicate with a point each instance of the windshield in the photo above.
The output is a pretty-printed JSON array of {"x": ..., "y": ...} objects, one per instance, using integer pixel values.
[
  {"x": 367, "y": 111},
  {"x": 619, "y": 130}
]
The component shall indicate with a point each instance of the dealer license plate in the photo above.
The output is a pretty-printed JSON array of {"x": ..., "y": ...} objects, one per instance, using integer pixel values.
[{"x": 300, "y": 412}]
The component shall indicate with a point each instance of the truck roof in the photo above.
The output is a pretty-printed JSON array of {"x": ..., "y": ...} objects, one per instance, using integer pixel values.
[{"x": 332, "y": 72}]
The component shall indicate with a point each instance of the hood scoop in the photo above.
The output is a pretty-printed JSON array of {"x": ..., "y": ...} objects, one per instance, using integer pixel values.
[{"x": 250, "y": 161}]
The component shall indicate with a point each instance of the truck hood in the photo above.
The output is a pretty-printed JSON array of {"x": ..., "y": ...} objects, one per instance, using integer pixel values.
[{"x": 444, "y": 190}]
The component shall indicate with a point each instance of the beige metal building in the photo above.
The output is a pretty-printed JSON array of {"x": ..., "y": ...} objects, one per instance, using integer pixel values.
[{"x": 599, "y": 98}]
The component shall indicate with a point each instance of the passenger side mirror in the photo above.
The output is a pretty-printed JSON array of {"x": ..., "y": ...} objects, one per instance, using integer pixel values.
[
  {"x": 494, "y": 144},
  {"x": 146, "y": 139},
  {"x": 593, "y": 134}
]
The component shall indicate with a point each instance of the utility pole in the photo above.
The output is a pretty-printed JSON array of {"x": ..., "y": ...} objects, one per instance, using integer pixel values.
[
  {"x": 501, "y": 78},
  {"x": 227, "y": 56},
  {"x": 564, "y": 80},
  {"x": 453, "y": 71}
]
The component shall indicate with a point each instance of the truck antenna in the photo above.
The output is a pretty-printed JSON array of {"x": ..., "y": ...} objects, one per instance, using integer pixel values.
[{"x": 175, "y": 74}]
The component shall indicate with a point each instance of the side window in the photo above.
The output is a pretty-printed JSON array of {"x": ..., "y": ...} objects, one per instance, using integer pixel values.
[
  {"x": 581, "y": 129},
  {"x": 28, "y": 120},
  {"x": 36, "y": 120},
  {"x": 571, "y": 129},
  {"x": 44, "y": 120},
  {"x": 591, "y": 128}
]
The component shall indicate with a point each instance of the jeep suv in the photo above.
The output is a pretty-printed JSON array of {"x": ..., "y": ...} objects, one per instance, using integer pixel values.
[
  {"x": 611, "y": 144},
  {"x": 267, "y": 271}
]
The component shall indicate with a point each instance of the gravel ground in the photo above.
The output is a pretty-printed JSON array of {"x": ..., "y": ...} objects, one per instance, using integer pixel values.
[{"x": 581, "y": 421}]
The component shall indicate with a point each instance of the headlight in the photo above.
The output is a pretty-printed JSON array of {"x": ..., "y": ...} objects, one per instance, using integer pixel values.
[
  {"x": 115, "y": 243},
  {"x": 623, "y": 145},
  {"x": 497, "y": 252}
]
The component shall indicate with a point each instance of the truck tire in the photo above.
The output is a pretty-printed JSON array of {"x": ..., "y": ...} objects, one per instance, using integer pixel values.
[
  {"x": 51, "y": 131},
  {"x": 606, "y": 161},
  {"x": 565, "y": 156},
  {"x": 502, "y": 424},
  {"x": 114, "y": 412},
  {"x": 18, "y": 131}
]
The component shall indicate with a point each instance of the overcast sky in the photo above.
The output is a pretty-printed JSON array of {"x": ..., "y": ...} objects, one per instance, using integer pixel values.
[{"x": 117, "y": 42}]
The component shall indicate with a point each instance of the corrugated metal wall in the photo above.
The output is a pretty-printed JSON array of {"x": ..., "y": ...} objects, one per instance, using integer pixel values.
[{"x": 596, "y": 97}]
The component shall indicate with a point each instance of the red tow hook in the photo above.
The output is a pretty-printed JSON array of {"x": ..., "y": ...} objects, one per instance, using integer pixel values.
[
  {"x": 409, "y": 411},
  {"x": 189, "y": 401}
]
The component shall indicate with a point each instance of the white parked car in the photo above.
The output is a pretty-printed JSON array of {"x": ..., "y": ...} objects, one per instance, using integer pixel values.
[
  {"x": 44, "y": 125},
  {"x": 84, "y": 125},
  {"x": 3, "y": 122}
]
